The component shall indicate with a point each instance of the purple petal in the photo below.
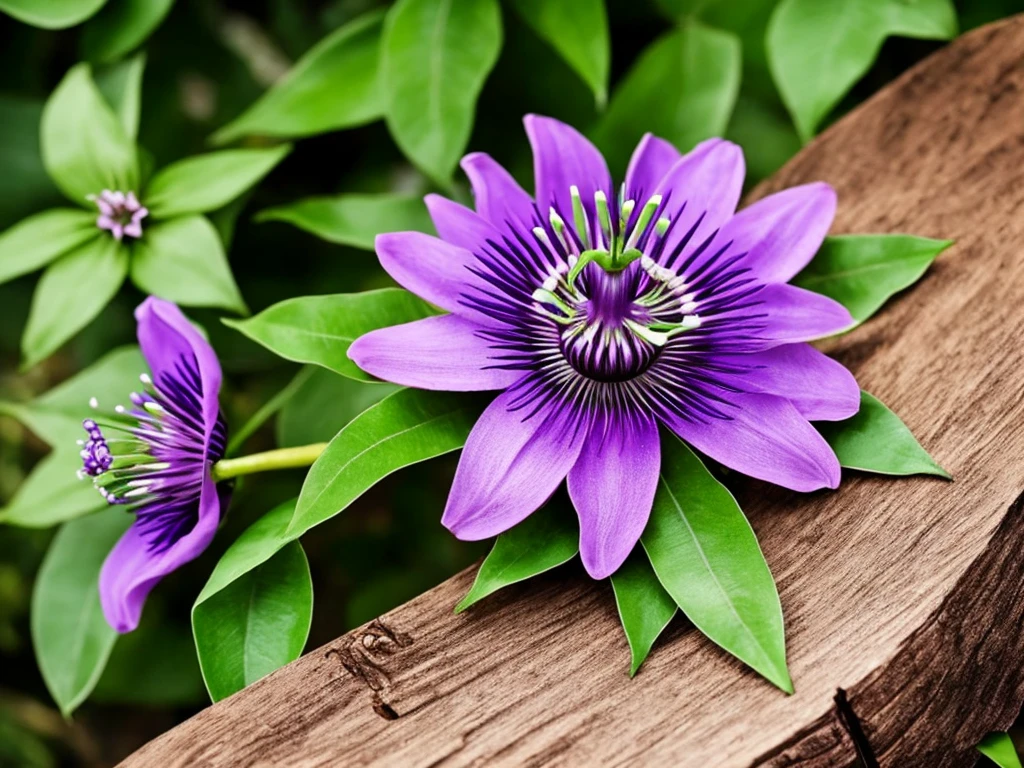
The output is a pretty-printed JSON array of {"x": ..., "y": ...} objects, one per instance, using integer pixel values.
[
  {"x": 795, "y": 314},
  {"x": 428, "y": 266},
  {"x": 509, "y": 467},
  {"x": 702, "y": 190},
  {"x": 766, "y": 438},
  {"x": 444, "y": 353},
  {"x": 131, "y": 570},
  {"x": 563, "y": 158},
  {"x": 612, "y": 486},
  {"x": 819, "y": 387},
  {"x": 458, "y": 225},
  {"x": 165, "y": 336},
  {"x": 652, "y": 159},
  {"x": 782, "y": 232},
  {"x": 498, "y": 197}
]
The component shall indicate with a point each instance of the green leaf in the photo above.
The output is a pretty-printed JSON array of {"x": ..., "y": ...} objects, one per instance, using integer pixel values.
[
  {"x": 121, "y": 86},
  {"x": 72, "y": 640},
  {"x": 182, "y": 260},
  {"x": 354, "y": 220},
  {"x": 435, "y": 57},
  {"x": 320, "y": 329},
  {"x": 682, "y": 88},
  {"x": 817, "y": 51},
  {"x": 578, "y": 30},
  {"x": 85, "y": 148},
  {"x": 707, "y": 557},
  {"x": 335, "y": 85},
  {"x": 645, "y": 608},
  {"x": 122, "y": 27},
  {"x": 876, "y": 440},
  {"x": 25, "y": 186},
  {"x": 255, "y": 624},
  {"x": 51, "y": 14},
  {"x": 52, "y": 493},
  {"x": 71, "y": 292},
  {"x": 36, "y": 241},
  {"x": 998, "y": 747},
  {"x": 203, "y": 183},
  {"x": 861, "y": 272},
  {"x": 544, "y": 540}
]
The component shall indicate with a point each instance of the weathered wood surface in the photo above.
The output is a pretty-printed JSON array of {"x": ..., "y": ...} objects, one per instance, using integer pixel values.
[{"x": 903, "y": 598}]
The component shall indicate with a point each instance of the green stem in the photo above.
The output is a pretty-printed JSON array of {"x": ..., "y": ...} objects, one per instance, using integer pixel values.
[{"x": 282, "y": 458}]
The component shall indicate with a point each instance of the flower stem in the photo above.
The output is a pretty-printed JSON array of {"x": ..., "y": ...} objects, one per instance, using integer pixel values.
[{"x": 282, "y": 458}]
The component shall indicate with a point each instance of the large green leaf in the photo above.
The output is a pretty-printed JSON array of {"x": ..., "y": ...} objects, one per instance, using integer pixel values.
[
  {"x": 320, "y": 329},
  {"x": 205, "y": 182},
  {"x": 85, "y": 147},
  {"x": 861, "y": 272},
  {"x": 353, "y": 220},
  {"x": 707, "y": 557},
  {"x": 335, "y": 85},
  {"x": 52, "y": 493},
  {"x": 122, "y": 27},
  {"x": 817, "y": 50},
  {"x": 578, "y": 30},
  {"x": 435, "y": 57},
  {"x": 72, "y": 640},
  {"x": 255, "y": 624},
  {"x": 121, "y": 86},
  {"x": 71, "y": 292},
  {"x": 682, "y": 88},
  {"x": 183, "y": 260},
  {"x": 998, "y": 747},
  {"x": 645, "y": 608},
  {"x": 876, "y": 440},
  {"x": 36, "y": 241},
  {"x": 544, "y": 540},
  {"x": 51, "y": 14}
]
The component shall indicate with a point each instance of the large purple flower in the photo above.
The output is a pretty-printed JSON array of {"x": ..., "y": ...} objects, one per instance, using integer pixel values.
[
  {"x": 602, "y": 315},
  {"x": 155, "y": 458}
]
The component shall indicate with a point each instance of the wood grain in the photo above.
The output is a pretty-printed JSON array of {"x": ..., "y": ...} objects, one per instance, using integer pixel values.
[{"x": 904, "y": 599}]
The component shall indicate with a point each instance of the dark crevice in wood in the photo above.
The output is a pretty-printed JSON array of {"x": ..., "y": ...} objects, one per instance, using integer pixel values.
[{"x": 851, "y": 723}]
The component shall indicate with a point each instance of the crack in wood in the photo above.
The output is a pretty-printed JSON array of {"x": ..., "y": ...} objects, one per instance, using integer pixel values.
[
  {"x": 851, "y": 723},
  {"x": 364, "y": 658}
]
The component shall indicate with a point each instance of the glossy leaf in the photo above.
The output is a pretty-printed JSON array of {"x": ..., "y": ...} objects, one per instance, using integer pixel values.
[
  {"x": 578, "y": 30},
  {"x": 205, "y": 182},
  {"x": 543, "y": 541},
  {"x": 861, "y": 272},
  {"x": 36, "y": 241},
  {"x": 707, "y": 557},
  {"x": 353, "y": 220},
  {"x": 257, "y": 623},
  {"x": 645, "y": 608},
  {"x": 72, "y": 640},
  {"x": 121, "y": 86},
  {"x": 308, "y": 100},
  {"x": 320, "y": 329},
  {"x": 876, "y": 440},
  {"x": 182, "y": 260},
  {"x": 998, "y": 747},
  {"x": 72, "y": 291},
  {"x": 817, "y": 51},
  {"x": 121, "y": 27},
  {"x": 435, "y": 57},
  {"x": 51, "y": 14},
  {"x": 682, "y": 88},
  {"x": 85, "y": 147}
]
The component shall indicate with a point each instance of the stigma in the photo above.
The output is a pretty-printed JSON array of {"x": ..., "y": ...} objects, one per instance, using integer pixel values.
[{"x": 121, "y": 213}]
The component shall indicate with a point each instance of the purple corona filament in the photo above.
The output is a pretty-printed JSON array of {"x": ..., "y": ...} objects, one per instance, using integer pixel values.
[{"x": 120, "y": 213}]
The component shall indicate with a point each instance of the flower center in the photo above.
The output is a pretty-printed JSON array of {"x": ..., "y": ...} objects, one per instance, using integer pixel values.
[{"x": 120, "y": 213}]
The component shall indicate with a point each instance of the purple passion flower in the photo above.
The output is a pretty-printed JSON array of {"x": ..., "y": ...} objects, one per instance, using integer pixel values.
[
  {"x": 155, "y": 459},
  {"x": 120, "y": 213},
  {"x": 601, "y": 316}
]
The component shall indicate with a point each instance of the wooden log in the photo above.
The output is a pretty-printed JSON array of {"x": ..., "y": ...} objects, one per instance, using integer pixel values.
[{"x": 904, "y": 599}]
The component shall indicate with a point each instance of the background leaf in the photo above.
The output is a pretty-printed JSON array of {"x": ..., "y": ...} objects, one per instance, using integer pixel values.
[
  {"x": 36, "y": 241},
  {"x": 645, "y": 608},
  {"x": 51, "y": 14},
  {"x": 121, "y": 86},
  {"x": 71, "y": 638},
  {"x": 320, "y": 329},
  {"x": 544, "y": 540},
  {"x": 354, "y": 220},
  {"x": 998, "y": 747},
  {"x": 25, "y": 186},
  {"x": 52, "y": 493},
  {"x": 707, "y": 557},
  {"x": 436, "y": 55},
  {"x": 876, "y": 440},
  {"x": 121, "y": 27}
]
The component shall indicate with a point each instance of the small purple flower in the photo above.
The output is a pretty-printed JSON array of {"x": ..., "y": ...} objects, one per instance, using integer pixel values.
[
  {"x": 155, "y": 459},
  {"x": 120, "y": 213},
  {"x": 601, "y": 316}
]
